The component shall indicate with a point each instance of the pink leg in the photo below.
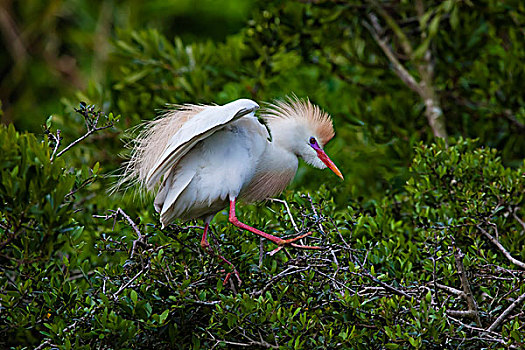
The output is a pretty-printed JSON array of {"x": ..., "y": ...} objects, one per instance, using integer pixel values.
[
  {"x": 279, "y": 241},
  {"x": 206, "y": 246},
  {"x": 204, "y": 242}
]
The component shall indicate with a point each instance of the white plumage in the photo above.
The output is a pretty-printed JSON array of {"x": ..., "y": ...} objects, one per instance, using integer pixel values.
[
  {"x": 201, "y": 126},
  {"x": 202, "y": 158},
  {"x": 216, "y": 165}
]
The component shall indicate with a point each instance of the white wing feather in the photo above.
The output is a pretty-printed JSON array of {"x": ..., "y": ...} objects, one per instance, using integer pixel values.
[
  {"x": 170, "y": 191},
  {"x": 196, "y": 129},
  {"x": 178, "y": 183}
]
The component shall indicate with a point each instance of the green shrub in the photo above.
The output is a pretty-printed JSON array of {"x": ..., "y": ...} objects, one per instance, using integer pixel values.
[{"x": 419, "y": 268}]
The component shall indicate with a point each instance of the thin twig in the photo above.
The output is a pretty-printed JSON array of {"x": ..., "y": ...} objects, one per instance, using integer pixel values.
[
  {"x": 471, "y": 302},
  {"x": 317, "y": 215},
  {"x": 522, "y": 223},
  {"x": 72, "y": 326},
  {"x": 394, "y": 26},
  {"x": 87, "y": 134},
  {"x": 505, "y": 313},
  {"x": 251, "y": 344},
  {"x": 57, "y": 143},
  {"x": 386, "y": 285},
  {"x": 501, "y": 248},
  {"x": 140, "y": 237},
  {"x": 339, "y": 234},
  {"x": 495, "y": 337},
  {"x": 144, "y": 269},
  {"x": 335, "y": 281},
  {"x": 451, "y": 290},
  {"x": 289, "y": 271},
  {"x": 285, "y": 203}
]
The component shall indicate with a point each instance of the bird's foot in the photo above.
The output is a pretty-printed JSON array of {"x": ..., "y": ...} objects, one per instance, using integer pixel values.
[
  {"x": 228, "y": 276},
  {"x": 206, "y": 247},
  {"x": 284, "y": 242}
]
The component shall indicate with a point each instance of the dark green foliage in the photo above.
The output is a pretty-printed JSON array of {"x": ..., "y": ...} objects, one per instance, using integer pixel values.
[
  {"x": 34, "y": 193},
  {"x": 388, "y": 275},
  {"x": 36, "y": 223},
  {"x": 424, "y": 243}
]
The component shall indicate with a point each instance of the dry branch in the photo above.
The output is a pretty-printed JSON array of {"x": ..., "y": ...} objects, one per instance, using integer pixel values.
[
  {"x": 506, "y": 313},
  {"x": 467, "y": 290},
  {"x": 424, "y": 88},
  {"x": 140, "y": 238},
  {"x": 387, "y": 286},
  {"x": 285, "y": 203},
  {"x": 501, "y": 248},
  {"x": 399, "y": 69},
  {"x": 451, "y": 290}
]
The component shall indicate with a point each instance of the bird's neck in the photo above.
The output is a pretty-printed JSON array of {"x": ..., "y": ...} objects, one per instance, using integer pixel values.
[
  {"x": 285, "y": 134},
  {"x": 275, "y": 170}
]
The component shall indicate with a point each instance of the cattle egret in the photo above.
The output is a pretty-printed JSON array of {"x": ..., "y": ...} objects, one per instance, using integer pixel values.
[{"x": 203, "y": 159}]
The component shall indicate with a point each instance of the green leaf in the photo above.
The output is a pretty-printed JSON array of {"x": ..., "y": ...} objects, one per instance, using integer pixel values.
[
  {"x": 434, "y": 26},
  {"x": 164, "y": 315},
  {"x": 134, "y": 297}
]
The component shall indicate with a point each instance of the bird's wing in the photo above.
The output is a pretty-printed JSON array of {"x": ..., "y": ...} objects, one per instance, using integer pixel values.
[
  {"x": 170, "y": 191},
  {"x": 202, "y": 125}
]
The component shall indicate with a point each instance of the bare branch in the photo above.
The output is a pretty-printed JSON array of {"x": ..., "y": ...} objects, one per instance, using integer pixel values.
[
  {"x": 399, "y": 69},
  {"x": 252, "y": 343},
  {"x": 506, "y": 313},
  {"x": 387, "y": 286},
  {"x": 86, "y": 135},
  {"x": 405, "y": 43},
  {"x": 493, "y": 336},
  {"x": 451, "y": 290},
  {"x": 140, "y": 238},
  {"x": 471, "y": 302},
  {"x": 91, "y": 119},
  {"x": 57, "y": 143},
  {"x": 289, "y": 271},
  {"x": 339, "y": 283},
  {"x": 522, "y": 223},
  {"x": 461, "y": 313},
  {"x": 317, "y": 215},
  {"x": 501, "y": 248},
  {"x": 424, "y": 88},
  {"x": 144, "y": 269},
  {"x": 285, "y": 203}
]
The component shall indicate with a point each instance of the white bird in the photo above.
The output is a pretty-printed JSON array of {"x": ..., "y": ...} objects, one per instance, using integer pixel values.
[{"x": 204, "y": 158}]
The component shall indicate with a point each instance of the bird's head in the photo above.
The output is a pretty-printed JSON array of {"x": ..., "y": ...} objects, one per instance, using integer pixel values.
[
  {"x": 302, "y": 128},
  {"x": 318, "y": 158}
]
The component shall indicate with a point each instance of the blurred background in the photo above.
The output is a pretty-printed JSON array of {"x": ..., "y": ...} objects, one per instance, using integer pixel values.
[
  {"x": 353, "y": 58},
  {"x": 53, "y": 49}
]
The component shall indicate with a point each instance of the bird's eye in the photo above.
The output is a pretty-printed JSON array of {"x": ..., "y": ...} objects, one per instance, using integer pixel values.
[{"x": 312, "y": 141}]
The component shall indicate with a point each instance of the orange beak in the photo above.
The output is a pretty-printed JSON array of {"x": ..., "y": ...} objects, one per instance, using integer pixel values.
[{"x": 328, "y": 162}]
